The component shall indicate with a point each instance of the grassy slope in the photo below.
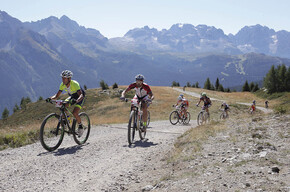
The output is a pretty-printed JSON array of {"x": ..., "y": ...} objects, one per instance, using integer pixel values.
[{"x": 23, "y": 126}]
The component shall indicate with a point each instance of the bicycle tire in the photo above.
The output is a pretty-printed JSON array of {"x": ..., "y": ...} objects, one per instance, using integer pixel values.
[
  {"x": 51, "y": 132},
  {"x": 200, "y": 118},
  {"x": 222, "y": 116},
  {"x": 186, "y": 121},
  {"x": 141, "y": 129},
  {"x": 148, "y": 118},
  {"x": 174, "y": 117},
  {"x": 87, "y": 128},
  {"x": 131, "y": 127}
]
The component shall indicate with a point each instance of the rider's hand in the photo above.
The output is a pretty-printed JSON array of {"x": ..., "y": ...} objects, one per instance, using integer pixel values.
[
  {"x": 173, "y": 105},
  {"x": 48, "y": 100},
  {"x": 197, "y": 105},
  {"x": 73, "y": 101}
]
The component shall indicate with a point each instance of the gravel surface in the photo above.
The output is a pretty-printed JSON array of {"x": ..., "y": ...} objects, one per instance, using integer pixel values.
[{"x": 104, "y": 163}]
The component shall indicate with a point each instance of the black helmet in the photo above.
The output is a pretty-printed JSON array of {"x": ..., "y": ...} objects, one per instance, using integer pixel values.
[{"x": 139, "y": 77}]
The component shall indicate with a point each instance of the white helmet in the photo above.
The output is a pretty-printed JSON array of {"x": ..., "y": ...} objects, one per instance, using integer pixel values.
[
  {"x": 66, "y": 74},
  {"x": 139, "y": 77}
]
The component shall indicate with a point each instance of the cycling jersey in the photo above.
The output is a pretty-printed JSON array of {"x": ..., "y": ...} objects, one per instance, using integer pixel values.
[
  {"x": 206, "y": 100},
  {"x": 184, "y": 102},
  {"x": 141, "y": 92},
  {"x": 72, "y": 89},
  {"x": 226, "y": 106}
]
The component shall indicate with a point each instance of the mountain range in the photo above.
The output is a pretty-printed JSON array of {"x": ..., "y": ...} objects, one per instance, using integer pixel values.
[{"x": 33, "y": 54}]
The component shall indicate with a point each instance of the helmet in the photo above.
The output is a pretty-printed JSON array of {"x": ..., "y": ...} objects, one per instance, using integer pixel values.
[
  {"x": 181, "y": 95},
  {"x": 254, "y": 101},
  {"x": 203, "y": 94},
  {"x": 66, "y": 74},
  {"x": 179, "y": 98},
  {"x": 224, "y": 103},
  {"x": 139, "y": 77}
]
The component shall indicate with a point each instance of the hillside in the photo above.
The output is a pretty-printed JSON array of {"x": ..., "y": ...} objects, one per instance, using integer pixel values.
[{"x": 242, "y": 153}]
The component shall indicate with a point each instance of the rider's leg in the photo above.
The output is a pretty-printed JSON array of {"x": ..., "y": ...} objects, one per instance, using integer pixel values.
[
  {"x": 145, "y": 115},
  {"x": 76, "y": 114}
]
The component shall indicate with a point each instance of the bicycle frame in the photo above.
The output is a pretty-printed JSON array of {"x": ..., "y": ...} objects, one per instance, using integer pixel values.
[{"x": 63, "y": 115}]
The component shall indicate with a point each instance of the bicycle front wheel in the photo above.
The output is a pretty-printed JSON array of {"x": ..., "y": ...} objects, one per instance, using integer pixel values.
[
  {"x": 131, "y": 127},
  {"x": 187, "y": 119},
  {"x": 200, "y": 118},
  {"x": 222, "y": 116},
  {"x": 86, "y": 123},
  {"x": 174, "y": 117},
  {"x": 141, "y": 128},
  {"x": 51, "y": 132},
  {"x": 148, "y": 118}
]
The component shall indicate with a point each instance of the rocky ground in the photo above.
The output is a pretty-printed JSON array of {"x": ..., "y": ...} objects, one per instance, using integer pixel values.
[{"x": 252, "y": 155}]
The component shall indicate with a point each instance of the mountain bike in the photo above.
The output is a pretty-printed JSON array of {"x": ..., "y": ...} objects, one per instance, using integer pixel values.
[
  {"x": 135, "y": 121},
  {"x": 178, "y": 116},
  {"x": 203, "y": 116},
  {"x": 224, "y": 115},
  {"x": 55, "y": 125}
]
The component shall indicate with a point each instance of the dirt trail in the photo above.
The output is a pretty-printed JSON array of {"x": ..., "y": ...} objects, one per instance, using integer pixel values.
[
  {"x": 214, "y": 99},
  {"x": 105, "y": 163}
]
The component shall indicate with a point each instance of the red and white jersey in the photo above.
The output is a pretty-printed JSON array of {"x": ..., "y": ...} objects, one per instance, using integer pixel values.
[
  {"x": 183, "y": 101},
  {"x": 141, "y": 91}
]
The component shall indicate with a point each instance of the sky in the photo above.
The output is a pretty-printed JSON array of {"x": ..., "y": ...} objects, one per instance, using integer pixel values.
[{"x": 114, "y": 18}]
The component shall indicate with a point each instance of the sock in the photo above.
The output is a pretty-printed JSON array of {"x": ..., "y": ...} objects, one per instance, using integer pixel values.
[{"x": 144, "y": 124}]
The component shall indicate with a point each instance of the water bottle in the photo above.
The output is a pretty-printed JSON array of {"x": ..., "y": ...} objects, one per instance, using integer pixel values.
[{"x": 68, "y": 119}]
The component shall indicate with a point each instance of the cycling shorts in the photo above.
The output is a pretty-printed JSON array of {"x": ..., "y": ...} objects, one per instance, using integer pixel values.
[
  {"x": 145, "y": 99},
  {"x": 79, "y": 104}
]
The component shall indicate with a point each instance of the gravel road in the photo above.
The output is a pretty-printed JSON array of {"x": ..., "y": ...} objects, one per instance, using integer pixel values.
[{"x": 104, "y": 163}]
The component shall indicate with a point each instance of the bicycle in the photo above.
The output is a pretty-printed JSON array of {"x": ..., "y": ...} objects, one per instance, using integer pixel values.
[
  {"x": 177, "y": 116},
  {"x": 224, "y": 115},
  {"x": 55, "y": 125},
  {"x": 136, "y": 122},
  {"x": 203, "y": 116}
]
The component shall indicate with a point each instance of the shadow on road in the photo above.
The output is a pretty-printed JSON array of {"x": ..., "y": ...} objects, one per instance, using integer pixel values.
[
  {"x": 143, "y": 143},
  {"x": 64, "y": 151}
]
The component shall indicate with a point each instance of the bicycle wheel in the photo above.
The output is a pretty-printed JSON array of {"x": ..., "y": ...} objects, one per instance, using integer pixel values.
[
  {"x": 200, "y": 118},
  {"x": 187, "y": 119},
  {"x": 51, "y": 132},
  {"x": 131, "y": 127},
  {"x": 141, "y": 129},
  {"x": 87, "y": 128},
  {"x": 223, "y": 116},
  {"x": 148, "y": 118},
  {"x": 174, "y": 117}
]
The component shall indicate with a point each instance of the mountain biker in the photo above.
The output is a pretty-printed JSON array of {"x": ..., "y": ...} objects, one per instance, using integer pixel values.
[
  {"x": 206, "y": 100},
  {"x": 76, "y": 96},
  {"x": 143, "y": 94},
  {"x": 266, "y": 103},
  {"x": 253, "y": 107},
  {"x": 183, "y": 102},
  {"x": 226, "y": 107}
]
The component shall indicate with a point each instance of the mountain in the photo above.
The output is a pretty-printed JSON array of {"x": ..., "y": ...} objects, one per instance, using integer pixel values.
[
  {"x": 32, "y": 55},
  {"x": 205, "y": 39}
]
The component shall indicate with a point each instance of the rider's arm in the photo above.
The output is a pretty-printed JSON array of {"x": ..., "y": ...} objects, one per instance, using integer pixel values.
[
  {"x": 151, "y": 96},
  {"x": 56, "y": 95},
  {"x": 80, "y": 94},
  {"x": 125, "y": 91},
  {"x": 198, "y": 102}
]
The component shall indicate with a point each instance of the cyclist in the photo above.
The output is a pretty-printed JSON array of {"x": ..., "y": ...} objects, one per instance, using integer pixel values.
[
  {"x": 76, "y": 96},
  {"x": 143, "y": 94},
  {"x": 183, "y": 102},
  {"x": 226, "y": 107},
  {"x": 253, "y": 107},
  {"x": 206, "y": 100},
  {"x": 266, "y": 104}
]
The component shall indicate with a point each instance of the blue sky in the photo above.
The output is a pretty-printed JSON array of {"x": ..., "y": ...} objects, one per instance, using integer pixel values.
[{"x": 113, "y": 18}]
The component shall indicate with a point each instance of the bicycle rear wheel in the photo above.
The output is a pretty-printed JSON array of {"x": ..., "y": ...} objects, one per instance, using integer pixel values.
[
  {"x": 187, "y": 119},
  {"x": 86, "y": 123},
  {"x": 174, "y": 117},
  {"x": 131, "y": 127},
  {"x": 51, "y": 132}
]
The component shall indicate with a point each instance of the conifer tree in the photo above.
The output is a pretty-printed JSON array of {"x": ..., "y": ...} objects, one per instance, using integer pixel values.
[
  {"x": 207, "y": 84},
  {"x": 246, "y": 86},
  {"x": 270, "y": 81},
  {"x": 217, "y": 83},
  {"x": 5, "y": 113}
]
